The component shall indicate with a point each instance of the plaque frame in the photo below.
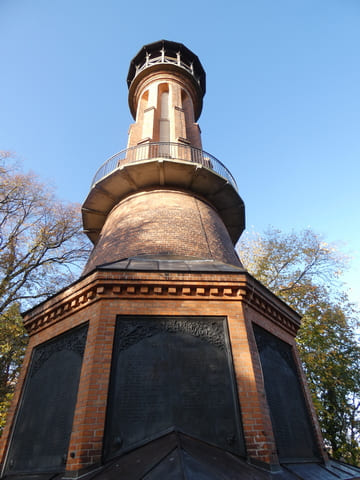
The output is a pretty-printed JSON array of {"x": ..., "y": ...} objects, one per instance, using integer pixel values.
[
  {"x": 198, "y": 327},
  {"x": 72, "y": 340},
  {"x": 291, "y": 419}
]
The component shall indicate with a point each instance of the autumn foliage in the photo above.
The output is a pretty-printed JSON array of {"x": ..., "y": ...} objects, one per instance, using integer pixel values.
[
  {"x": 305, "y": 272},
  {"x": 42, "y": 249}
]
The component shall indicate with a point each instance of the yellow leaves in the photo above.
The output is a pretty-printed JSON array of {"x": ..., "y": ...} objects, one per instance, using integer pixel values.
[
  {"x": 39, "y": 234},
  {"x": 304, "y": 271},
  {"x": 4, "y": 406},
  {"x": 297, "y": 266},
  {"x": 13, "y": 340}
]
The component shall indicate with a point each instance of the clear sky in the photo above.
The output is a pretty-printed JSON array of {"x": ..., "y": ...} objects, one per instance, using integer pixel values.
[{"x": 282, "y": 108}]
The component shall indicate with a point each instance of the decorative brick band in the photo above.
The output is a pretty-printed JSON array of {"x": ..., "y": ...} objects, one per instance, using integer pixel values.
[
  {"x": 194, "y": 287},
  {"x": 271, "y": 311}
]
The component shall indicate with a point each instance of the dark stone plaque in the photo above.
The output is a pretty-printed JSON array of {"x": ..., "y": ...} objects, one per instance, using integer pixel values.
[
  {"x": 42, "y": 430},
  {"x": 292, "y": 427},
  {"x": 172, "y": 372}
]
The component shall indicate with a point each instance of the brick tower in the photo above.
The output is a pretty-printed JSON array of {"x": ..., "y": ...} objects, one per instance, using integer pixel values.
[{"x": 166, "y": 359}]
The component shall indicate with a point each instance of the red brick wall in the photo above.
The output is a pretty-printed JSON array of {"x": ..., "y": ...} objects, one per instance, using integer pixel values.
[
  {"x": 167, "y": 222},
  {"x": 100, "y": 297}
]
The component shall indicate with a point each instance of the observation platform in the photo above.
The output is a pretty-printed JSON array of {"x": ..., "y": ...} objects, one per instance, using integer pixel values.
[
  {"x": 168, "y": 165},
  {"x": 171, "y": 56}
]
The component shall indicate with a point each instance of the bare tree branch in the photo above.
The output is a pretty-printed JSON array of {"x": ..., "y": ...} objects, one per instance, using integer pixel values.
[{"x": 42, "y": 246}]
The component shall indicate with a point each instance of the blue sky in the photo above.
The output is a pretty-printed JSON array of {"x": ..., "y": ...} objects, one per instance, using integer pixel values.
[{"x": 282, "y": 108}]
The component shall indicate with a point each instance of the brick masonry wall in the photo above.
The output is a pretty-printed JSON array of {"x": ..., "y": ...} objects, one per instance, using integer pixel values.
[
  {"x": 163, "y": 222},
  {"x": 178, "y": 78},
  {"x": 181, "y": 111},
  {"x": 100, "y": 297},
  {"x": 91, "y": 315}
]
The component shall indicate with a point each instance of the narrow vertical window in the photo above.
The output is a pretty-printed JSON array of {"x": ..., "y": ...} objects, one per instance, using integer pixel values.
[
  {"x": 142, "y": 106},
  {"x": 164, "y": 121},
  {"x": 188, "y": 112}
]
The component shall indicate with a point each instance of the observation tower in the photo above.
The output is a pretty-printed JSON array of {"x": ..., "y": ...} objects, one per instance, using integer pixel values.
[
  {"x": 166, "y": 359},
  {"x": 164, "y": 196}
]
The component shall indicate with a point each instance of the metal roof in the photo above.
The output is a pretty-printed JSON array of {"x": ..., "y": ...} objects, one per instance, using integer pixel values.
[
  {"x": 176, "y": 456},
  {"x": 170, "y": 263}
]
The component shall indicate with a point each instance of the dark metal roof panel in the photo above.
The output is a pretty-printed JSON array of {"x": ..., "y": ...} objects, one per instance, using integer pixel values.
[
  {"x": 137, "y": 463},
  {"x": 215, "y": 464},
  {"x": 176, "y": 456},
  {"x": 313, "y": 471},
  {"x": 170, "y": 468},
  {"x": 171, "y": 264},
  {"x": 38, "y": 476},
  {"x": 179, "y": 457}
]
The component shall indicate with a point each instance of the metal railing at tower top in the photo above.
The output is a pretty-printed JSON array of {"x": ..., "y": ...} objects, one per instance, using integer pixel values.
[
  {"x": 165, "y": 150},
  {"x": 154, "y": 60}
]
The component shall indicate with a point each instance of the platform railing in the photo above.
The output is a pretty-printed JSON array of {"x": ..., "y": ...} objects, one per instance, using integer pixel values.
[
  {"x": 149, "y": 61},
  {"x": 166, "y": 150}
]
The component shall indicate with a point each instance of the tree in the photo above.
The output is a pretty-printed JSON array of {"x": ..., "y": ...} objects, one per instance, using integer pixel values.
[
  {"x": 42, "y": 248},
  {"x": 331, "y": 359},
  {"x": 13, "y": 341},
  {"x": 41, "y": 239},
  {"x": 305, "y": 272},
  {"x": 300, "y": 267}
]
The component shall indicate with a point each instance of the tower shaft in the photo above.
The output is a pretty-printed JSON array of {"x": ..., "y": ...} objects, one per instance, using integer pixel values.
[
  {"x": 163, "y": 195},
  {"x": 165, "y": 110}
]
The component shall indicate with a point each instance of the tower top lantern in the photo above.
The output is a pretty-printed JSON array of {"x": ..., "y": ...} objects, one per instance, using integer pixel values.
[{"x": 166, "y": 55}]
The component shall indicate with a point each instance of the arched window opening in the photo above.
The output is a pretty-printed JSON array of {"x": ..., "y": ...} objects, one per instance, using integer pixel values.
[
  {"x": 188, "y": 109},
  {"x": 142, "y": 106},
  {"x": 164, "y": 120}
]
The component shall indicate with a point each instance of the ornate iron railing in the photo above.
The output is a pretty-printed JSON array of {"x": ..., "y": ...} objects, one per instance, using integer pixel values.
[
  {"x": 149, "y": 61},
  {"x": 167, "y": 150}
]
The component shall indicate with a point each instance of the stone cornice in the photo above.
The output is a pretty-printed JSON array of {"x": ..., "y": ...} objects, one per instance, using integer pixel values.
[{"x": 159, "y": 286}]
